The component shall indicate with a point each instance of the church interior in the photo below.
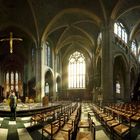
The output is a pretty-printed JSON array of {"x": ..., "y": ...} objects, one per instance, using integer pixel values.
[{"x": 74, "y": 66}]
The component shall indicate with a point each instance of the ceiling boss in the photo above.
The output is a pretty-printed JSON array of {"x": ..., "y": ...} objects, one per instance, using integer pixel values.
[{"x": 11, "y": 39}]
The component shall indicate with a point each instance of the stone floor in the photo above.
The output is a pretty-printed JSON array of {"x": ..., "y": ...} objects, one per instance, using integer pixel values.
[
  {"x": 21, "y": 129},
  {"x": 100, "y": 133}
]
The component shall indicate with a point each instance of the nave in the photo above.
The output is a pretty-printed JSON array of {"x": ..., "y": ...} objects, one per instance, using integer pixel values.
[
  {"x": 21, "y": 129},
  {"x": 102, "y": 117}
]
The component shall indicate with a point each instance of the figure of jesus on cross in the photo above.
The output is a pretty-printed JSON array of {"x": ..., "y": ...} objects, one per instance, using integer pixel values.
[{"x": 11, "y": 39}]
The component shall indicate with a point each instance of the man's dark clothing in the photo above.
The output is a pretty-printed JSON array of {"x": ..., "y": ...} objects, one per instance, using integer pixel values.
[{"x": 13, "y": 104}]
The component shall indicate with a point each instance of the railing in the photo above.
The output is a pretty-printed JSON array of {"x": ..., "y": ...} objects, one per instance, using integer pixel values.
[{"x": 32, "y": 111}]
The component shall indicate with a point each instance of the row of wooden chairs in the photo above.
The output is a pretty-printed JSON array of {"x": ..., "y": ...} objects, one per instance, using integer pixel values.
[
  {"x": 89, "y": 129},
  {"x": 41, "y": 117},
  {"x": 116, "y": 127},
  {"x": 64, "y": 127},
  {"x": 52, "y": 114},
  {"x": 129, "y": 111}
]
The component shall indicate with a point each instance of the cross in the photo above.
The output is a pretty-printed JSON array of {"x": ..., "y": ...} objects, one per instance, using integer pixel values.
[{"x": 11, "y": 39}]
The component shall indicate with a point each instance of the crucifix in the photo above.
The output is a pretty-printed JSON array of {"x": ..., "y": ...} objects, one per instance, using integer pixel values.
[{"x": 11, "y": 39}]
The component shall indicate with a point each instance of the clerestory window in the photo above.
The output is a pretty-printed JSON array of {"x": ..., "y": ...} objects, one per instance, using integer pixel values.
[
  {"x": 120, "y": 31},
  {"x": 134, "y": 47},
  {"x": 48, "y": 54}
]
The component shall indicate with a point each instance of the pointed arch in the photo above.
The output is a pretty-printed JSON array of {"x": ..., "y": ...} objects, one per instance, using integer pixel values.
[{"x": 76, "y": 70}]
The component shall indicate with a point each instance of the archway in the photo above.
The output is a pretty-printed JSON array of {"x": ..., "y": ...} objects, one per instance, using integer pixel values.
[
  {"x": 58, "y": 87},
  {"x": 49, "y": 85},
  {"x": 119, "y": 78},
  {"x": 12, "y": 71},
  {"x": 98, "y": 73},
  {"x": 132, "y": 81}
]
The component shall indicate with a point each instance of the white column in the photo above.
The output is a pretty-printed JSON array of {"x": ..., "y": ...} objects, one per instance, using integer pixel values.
[{"x": 38, "y": 74}]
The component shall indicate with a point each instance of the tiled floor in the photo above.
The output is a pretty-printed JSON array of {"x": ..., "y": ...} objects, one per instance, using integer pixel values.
[
  {"x": 21, "y": 130},
  {"x": 100, "y": 133}
]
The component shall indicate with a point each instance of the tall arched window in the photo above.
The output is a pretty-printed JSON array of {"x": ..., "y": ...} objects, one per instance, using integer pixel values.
[
  {"x": 33, "y": 58},
  {"x": 120, "y": 31},
  {"x": 12, "y": 81},
  {"x": 48, "y": 54},
  {"x": 58, "y": 63},
  {"x": 118, "y": 87},
  {"x": 76, "y": 70},
  {"x": 139, "y": 54},
  {"x": 46, "y": 88},
  {"x": 99, "y": 39},
  {"x": 134, "y": 47}
]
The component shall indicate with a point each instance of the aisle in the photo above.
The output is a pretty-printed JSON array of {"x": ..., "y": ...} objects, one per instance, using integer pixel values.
[{"x": 100, "y": 133}]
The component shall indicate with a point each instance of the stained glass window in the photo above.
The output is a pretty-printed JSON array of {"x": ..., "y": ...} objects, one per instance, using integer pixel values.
[
  {"x": 12, "y": 81},
  {"x": 134, "y": 47},
  {"x": 48, "y": 54},
  {"x": 120, "y": 31},
  {"x": 115, "y": 28},
  {"x": 33, "y": 54},
  {"x": 16, "y": 81},
  {"x": 46, "y": 89},
  {"x": 33, "y": 58},
  {"x": 16, "y": 78},
  {"x": 118, "y": 87},
  {"x": 139, "y": 53},
  {"x": 76, "y": 70},
  {"x": 99, "y": 40},
  {"x": 7, "y": 78},
  {"x": 58, "y": 63},
  {"x": 12, "y": 78}
]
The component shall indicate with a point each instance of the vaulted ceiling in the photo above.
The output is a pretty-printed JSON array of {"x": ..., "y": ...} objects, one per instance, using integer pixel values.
[{"x": 68, "y": 23}]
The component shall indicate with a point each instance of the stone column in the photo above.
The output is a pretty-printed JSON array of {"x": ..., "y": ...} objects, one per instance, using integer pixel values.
[
  {"x": 54, "y": 80},
  {"x": 0, "y": 76},
  {"x": 127, "y": 76},
  {"x": 107, "y": 64},
  {"x": 1, "y": 94},
  {"x": 127, "y": 86},
  {"x": 38, "y": 74}
]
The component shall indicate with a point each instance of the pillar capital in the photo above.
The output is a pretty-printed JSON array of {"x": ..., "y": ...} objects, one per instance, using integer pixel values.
[{"x": 39, "y": 48}]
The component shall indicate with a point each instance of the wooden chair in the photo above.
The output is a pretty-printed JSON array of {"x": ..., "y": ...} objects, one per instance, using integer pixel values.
[
  {"x": 61, "y": 121},
  {"x": 120, "y": 130},
  {"x": 37, "y": 118},
  {"x": 136, "y": 117},
  {"x": 65, "y": 133},
  {"x": 87, "y": 135},
  {"x": 110, "y": 124},
  {"x": 107, "y": 118},
  {"x": 51, "y": 129}
]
